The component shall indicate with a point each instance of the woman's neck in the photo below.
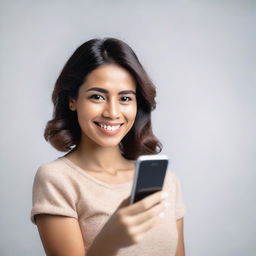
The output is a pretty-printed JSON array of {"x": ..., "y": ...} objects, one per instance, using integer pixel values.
[{"x": 91, "y": 156}]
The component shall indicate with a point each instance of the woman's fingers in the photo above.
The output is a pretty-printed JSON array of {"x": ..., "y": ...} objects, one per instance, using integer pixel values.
[
  {"x": 144, "y": 226},
  {"x": 149, "y": 214},
  {"x": 146, "y": 203},
  {"x": 142, "y": 223},
  {"x": 134, "y": 220}
]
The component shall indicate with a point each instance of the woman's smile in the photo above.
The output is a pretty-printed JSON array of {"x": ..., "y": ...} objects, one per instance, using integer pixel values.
[{"x": 108, "y": 129}]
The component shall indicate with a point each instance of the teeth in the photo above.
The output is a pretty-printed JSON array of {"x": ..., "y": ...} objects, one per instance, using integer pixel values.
[{"x": 109, "y": 128}]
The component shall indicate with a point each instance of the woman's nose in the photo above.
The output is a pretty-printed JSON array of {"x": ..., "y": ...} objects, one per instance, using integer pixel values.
[{"x": 112, "y": 110}]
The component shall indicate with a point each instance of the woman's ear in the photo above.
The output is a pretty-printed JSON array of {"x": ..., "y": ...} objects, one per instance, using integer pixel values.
[{"x": 72, "y": 104}]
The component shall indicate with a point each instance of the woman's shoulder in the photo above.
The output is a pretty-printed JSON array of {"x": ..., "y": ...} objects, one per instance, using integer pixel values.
[
  {"x": 52, "y": 168},
  {"x": 172, "y": 180},
  {"x": 56, "y": 174}
]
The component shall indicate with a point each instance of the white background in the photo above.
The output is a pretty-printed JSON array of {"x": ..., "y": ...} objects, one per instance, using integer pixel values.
[{"x": 201, "y": 57}]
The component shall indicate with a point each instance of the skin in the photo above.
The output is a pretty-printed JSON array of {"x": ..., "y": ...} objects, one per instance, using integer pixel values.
[
  {"x": 96, "y": 150},
  {"x": 61, "y": 235}
]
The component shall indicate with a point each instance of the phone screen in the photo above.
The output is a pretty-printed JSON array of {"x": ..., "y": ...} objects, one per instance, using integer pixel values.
[{"x": 150, "y": 178}]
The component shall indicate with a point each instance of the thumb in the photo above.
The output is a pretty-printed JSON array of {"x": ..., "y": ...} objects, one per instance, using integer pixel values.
[{"x": 125, "y": 202}]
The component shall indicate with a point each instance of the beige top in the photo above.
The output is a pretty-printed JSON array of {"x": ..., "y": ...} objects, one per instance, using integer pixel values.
[{"x": 62, "y": 188}]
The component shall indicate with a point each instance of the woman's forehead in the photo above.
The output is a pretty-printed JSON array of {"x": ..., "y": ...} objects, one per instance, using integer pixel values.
[{"x": 110, "y": 76}]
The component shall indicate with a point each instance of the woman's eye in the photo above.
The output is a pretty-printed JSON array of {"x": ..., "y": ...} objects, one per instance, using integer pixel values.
[
  {"x": 126, "y": 99},
  {"x": 97, "y": 97}
]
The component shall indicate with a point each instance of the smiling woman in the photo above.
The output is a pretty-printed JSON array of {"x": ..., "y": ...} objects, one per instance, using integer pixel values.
[{"x": 103, "y": 101}]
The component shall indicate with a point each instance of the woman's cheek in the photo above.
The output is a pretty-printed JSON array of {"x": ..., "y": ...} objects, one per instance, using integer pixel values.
[
  {"x": 131, "y": 111},
  {"x": 89, "y": 110}
]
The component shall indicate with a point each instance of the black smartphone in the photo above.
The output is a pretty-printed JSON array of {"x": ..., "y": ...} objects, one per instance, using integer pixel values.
[{"x": 149, "y": 176}]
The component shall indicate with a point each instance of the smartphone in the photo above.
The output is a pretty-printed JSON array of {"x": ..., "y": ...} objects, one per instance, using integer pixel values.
[{"x": 149, "y": 176}]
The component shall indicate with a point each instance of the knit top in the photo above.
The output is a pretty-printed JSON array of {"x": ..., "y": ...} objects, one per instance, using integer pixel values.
[{"x": 62, "y": 188}]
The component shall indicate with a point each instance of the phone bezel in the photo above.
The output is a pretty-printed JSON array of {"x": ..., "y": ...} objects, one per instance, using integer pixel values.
[{"x": 139, "y": 160}]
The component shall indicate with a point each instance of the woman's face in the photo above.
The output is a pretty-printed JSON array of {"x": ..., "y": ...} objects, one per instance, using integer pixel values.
[{"x": 106, "y": 105}]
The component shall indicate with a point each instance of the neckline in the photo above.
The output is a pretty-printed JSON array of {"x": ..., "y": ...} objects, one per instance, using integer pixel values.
[{"x": 92, "y": 178}]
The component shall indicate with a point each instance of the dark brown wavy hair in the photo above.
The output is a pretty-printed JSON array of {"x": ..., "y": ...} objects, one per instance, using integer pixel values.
[{"x": 63, "y": 131}]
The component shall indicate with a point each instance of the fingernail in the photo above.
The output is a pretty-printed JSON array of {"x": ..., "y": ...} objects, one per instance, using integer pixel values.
[
  {"x": 161, "y": 214},
  {"x": 166, "y": 204},
  {"x": 164, "y": 195}
]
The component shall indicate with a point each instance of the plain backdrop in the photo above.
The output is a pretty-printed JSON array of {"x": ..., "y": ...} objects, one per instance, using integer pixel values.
[{"x": 201, "y": 57}]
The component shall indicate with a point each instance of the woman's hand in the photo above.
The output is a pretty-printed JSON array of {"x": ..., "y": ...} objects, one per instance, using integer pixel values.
[{"x": 128, "y": 224}]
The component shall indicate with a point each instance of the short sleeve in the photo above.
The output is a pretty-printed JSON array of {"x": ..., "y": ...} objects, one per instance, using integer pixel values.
[
  {"x": 173, "y": 186},
  {"x": 52, "y": 194},
  {"x": 180, "y": 207}
]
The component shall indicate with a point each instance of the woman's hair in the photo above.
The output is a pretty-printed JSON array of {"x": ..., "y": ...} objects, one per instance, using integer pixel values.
[{"x": 64, "y": 132}]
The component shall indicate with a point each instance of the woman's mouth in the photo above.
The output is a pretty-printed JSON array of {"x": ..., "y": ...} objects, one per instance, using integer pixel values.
[{"x": 109, "y": 129}]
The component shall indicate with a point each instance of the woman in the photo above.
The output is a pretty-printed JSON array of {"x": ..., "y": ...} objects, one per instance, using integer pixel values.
[{"x": 103, "y": 100}]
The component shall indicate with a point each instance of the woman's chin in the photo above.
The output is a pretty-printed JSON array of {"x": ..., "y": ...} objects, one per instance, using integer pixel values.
[
  {"x": 107, "y": 143},
  {"x": 102, "y": 141}
]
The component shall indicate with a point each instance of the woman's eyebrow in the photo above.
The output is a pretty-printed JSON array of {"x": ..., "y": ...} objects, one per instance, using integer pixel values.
[
  {"x": 127, "y": 92},
  {"x": 97, "y": 89},
  {"x": 106, "y": 91}
]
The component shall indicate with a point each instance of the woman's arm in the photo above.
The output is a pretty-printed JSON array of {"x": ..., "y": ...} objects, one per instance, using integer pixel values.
[
  {"x": 180, "y": 247},
  {"x": 60, "y": 235}
]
